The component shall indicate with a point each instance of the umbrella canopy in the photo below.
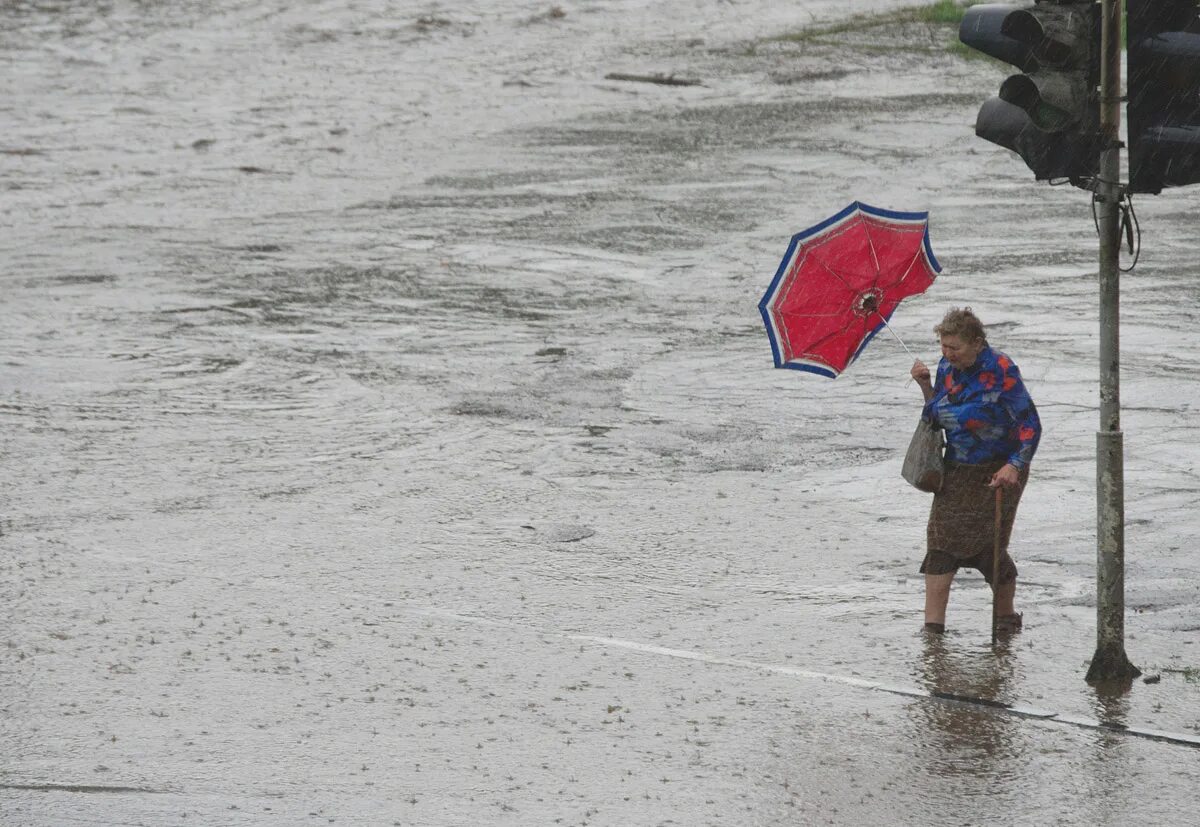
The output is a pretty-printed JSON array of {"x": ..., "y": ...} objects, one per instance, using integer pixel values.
[{"x": 839, "y": 283}]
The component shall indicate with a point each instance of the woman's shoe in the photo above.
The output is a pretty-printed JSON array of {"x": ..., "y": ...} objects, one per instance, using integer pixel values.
[{"x": 1009, "y": 623}]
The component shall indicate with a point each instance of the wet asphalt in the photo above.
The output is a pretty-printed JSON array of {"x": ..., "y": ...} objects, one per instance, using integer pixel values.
[{"x": 388, "y": 434}]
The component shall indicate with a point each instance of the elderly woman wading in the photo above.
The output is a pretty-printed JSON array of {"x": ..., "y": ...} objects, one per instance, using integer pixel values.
[{"x": 992, "y": 431}]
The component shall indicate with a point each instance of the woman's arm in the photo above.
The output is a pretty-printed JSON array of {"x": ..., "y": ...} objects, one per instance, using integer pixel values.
[{"x": 1027, "y": 426}]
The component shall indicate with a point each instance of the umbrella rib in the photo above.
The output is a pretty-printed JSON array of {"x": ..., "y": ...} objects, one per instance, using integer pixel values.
[
  {"x": 813, "y": 345},
  {"x": 791, "y": 314},
  {"x": 871, "y": 246},
  {"x": 838, "y": 276},
  {"x": 907, "y": 270}
]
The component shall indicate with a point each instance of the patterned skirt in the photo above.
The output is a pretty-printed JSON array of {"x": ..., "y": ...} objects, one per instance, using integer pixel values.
[{"x": 963, "y": 517}]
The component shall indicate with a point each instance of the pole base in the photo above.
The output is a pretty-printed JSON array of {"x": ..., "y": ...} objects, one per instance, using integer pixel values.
[{"x": 1110, "y": 665}]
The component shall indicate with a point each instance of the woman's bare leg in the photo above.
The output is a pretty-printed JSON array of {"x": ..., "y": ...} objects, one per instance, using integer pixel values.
[
  {"x": 1004, "y": 598},
  {"x": 937, "y": 595}
]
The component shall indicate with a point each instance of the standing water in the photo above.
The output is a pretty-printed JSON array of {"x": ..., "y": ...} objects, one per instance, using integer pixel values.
[{"x": 388, "y": 434}]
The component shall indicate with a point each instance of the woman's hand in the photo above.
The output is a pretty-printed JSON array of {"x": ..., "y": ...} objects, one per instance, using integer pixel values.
[
  {"x": 921, "y": 373},
  {"x": 1006, "y": 477}
]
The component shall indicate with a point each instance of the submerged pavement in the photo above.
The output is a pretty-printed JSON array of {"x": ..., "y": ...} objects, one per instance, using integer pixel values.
[{"x": 390, "y": 435}]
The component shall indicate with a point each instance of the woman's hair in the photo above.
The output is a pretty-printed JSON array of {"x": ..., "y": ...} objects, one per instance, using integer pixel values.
[{"x": 964, "y": 324}]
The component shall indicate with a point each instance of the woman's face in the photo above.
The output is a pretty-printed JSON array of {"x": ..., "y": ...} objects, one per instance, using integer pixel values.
[{"x": 959, "y": 353}]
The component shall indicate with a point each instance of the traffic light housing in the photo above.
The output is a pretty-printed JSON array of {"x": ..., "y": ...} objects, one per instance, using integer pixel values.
[
  {"x": 1049, "y": 114},
  {"x": 1164, "y": 93}
]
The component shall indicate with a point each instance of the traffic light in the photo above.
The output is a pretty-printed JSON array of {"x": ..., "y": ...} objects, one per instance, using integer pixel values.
[
  {"x": 1050, "y": 115},
  {"x": 1164, "y": 94}
]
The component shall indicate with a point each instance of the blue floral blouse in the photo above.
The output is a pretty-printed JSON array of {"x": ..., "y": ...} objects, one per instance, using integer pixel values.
[{"x": 986, "y": 412}]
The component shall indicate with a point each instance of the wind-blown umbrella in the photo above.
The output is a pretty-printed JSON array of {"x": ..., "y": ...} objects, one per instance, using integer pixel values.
[{"x": 839, "y": 283}]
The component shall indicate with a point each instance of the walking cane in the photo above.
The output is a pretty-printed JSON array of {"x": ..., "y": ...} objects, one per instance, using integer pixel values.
[{"x": 996, "y": 564}]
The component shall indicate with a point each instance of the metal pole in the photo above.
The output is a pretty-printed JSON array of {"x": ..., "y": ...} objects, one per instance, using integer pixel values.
[{"x": 1110, "y": 662}]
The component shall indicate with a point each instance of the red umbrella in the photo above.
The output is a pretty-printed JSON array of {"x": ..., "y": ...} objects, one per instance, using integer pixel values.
[{"x": 839, "y": 283}]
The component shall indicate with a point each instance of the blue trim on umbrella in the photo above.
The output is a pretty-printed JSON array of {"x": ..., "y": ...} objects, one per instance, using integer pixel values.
[
  {"x": 812, "y": 369},
  {"x": 937, "y": 268},
  {"x": 770, "y": 335},
  {"x": 907, "y": 216},
  {"x": 762, "y": 305},
  {"x": 833, "y": 219},
  {"x": 900, "y": 216}
]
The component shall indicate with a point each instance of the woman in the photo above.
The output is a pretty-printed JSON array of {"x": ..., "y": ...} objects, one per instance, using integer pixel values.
[{"x": 992, "y": 431}]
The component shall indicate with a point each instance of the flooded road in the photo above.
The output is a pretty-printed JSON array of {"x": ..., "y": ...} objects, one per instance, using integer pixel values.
[{"x": 388, "y": 434}]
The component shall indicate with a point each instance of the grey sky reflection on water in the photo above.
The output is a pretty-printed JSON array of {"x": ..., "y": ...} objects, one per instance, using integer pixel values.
[{"x": 962, "y": 739}]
